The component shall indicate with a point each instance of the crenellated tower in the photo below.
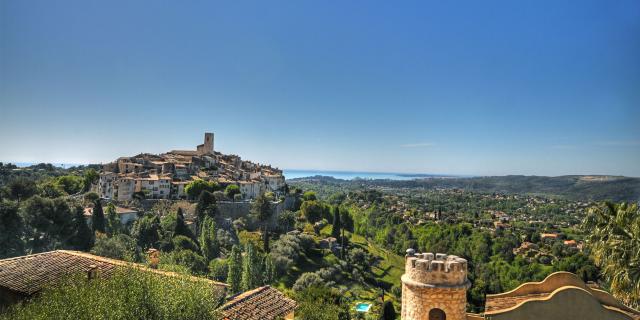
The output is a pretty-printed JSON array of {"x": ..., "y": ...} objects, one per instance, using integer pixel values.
[{"x": 434, "y": 287}]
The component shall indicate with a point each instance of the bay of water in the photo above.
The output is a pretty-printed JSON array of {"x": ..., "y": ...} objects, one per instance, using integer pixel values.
[{"x": 350, "y": 175}]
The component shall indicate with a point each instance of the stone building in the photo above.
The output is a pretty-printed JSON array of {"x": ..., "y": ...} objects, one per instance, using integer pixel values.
[
  {"x": 164, "y": 176},
  {"x": 434, "y": 288}
]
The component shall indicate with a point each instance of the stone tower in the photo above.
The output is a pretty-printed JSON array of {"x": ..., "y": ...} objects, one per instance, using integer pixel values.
[
  {"x": 208, "y": 142},
  {"x": 434, "y": 287},
  {"x": 207, "y": 146}
]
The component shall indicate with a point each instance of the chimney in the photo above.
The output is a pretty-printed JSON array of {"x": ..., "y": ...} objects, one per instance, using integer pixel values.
[
  {"x": 153, "y": 255},
  {"x": 92, "y": 272}
]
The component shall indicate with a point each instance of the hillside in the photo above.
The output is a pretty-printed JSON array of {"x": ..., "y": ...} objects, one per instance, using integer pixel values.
[{"x": 583, "y": 188}]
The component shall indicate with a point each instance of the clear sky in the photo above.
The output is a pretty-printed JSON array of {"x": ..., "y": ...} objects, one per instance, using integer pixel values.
[{"x": 457, "y": 87}]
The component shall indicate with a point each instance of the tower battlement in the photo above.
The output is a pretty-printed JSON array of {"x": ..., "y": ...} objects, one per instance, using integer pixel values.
[
  {"x": 436, "y": 269},
  {"x": 434, "y": 286}
]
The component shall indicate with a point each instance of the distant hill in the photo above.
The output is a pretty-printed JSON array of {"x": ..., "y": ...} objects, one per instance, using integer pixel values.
[{"x": 615, "y": 188}]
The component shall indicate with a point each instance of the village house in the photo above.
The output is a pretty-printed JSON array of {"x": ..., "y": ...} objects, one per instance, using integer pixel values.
[
  {"x": 126, "y": 215},
  {"x": 165, "y": 176}
]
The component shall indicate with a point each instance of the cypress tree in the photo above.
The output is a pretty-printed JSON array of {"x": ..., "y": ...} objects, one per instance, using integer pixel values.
[
  {"x": 337, "y": 225},
  {"x": 181, "y": 227},
  {"x": 206, "y": 206},
  {"x": 388, "y": 312},
  {"x": 83, "y": 237},
  {"x": 97, "y": 218},
  {"x": 251, "y": 269},
  {"x": 208, "y": 239},
  {"x": 234, "y": 275},
  {"x": 113, "y": 221},
  {"x": 269, "y": 270},
  {"x": 261, "y": 209}
]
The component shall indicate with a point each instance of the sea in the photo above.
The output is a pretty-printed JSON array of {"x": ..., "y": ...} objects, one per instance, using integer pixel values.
[
  {"x": 55, "y": 164},
  {"x": 352, "y": 175},
  {"x": 297, "y": 173}
]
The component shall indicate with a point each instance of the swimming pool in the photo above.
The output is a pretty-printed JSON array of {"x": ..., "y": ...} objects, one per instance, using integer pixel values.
[{"x": 363, "y": 307}]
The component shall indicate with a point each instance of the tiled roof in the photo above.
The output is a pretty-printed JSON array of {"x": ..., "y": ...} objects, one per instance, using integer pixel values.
[
  {"x": 29, "y": 274},
  {"x": 502, "y": 303},
  {"x": 263, "y": 303}
]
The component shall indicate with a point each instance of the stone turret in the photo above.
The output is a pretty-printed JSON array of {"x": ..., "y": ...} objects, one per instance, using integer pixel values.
[
  {"x": 207, "y": 146},
  {"x": 434, "y": 287}
]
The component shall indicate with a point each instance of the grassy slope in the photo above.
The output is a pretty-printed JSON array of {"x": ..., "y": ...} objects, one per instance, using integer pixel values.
[{"x": 387, "y": 271}]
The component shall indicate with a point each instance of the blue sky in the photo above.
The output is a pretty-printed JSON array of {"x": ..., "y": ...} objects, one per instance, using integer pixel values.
[{"x": 462, "y": 87}]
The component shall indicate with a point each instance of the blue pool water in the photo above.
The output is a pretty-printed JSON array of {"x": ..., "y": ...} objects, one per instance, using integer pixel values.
[{"x": 363, "y": 307}]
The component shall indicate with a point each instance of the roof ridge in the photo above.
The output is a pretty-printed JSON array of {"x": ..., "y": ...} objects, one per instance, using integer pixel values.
[{"x": 27, "y": 256}]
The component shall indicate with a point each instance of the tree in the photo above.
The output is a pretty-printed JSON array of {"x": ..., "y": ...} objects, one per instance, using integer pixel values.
[
  {"x": 261, "y": 209},
  {"x": 97, "y": 218},
  {"x": 337, "y": 225},
  {"x": 181, "y": 242},
  {"x": 11, "y": 230},
  {"x": 231, "y": 190},
  {"x": 49, "y": 223},
  {"x": 113, "y": 221},
  {"x": 219, "y": 269},
  {"x": 21, "y": 189},
  {"x": 346, "y": 221},
  {"x": 206, "y": 206},
  {"x": 234, "y": 277},
  {"x": 269, "y": 270},
  {"x": 307, "y": 280},
  {"x": 181, "y": 226},
  {"x": 70, "y": 184},
  {"x": 196, "y": 187},
  {"x": 286, "y": 220},
  {"x": 146, "y": 231},
  {"x": 189, "y": 259},
  {"x": 120, "y": 246},
  {"x": 309, "y": 196},
  {"x": 312, "y": 210},
  {"x": 208, "y": 239},
  {"x": 388, "y": 312},
  {"x": 320, "y": 303},
  {"x": 90, "y": 177},
  {"x": 252, "y": 276},
  {"x": 51, "y": 189},
  {"x": 613, "y": 235},
  {"x": 91, "y": 197},
  {"x": 83, "y": 236}
]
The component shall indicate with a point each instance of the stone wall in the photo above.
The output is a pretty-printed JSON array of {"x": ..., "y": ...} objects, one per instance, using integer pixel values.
[
  {"x": 417, "y": 302},
  {"x": 434, "y": 281}
]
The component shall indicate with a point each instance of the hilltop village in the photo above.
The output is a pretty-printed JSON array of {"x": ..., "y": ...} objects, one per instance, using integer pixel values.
[
  {"x": 297, "y": 248},
  {"x": 165, "y": 176}
]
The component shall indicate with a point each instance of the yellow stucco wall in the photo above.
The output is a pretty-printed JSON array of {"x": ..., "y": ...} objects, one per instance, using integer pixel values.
[{"x": 564, "y": 303}]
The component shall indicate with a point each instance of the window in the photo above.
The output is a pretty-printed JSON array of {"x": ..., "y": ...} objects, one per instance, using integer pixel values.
[{"x": 437, "y": 314}]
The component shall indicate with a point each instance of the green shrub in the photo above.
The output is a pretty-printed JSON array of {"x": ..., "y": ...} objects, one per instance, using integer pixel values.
[{"x": 128, "y": 294}]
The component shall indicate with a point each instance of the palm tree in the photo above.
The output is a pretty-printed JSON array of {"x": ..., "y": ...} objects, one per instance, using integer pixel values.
[{"x": 613, "y": 236}]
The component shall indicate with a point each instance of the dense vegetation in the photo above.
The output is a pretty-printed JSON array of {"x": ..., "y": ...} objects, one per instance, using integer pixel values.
[
  {"x": 129, "y": 294},
  {"x": 578, "y": 188},
  {"x": 339, "y": 244},
  {"x": 614, "y": 234}
]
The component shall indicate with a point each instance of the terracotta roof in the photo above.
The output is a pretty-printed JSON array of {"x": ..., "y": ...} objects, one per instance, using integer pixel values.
[
  {"x": 258, "y": 304},
  {"x": 502, "y": 303},
  {"x": 31, "y": 273}
]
